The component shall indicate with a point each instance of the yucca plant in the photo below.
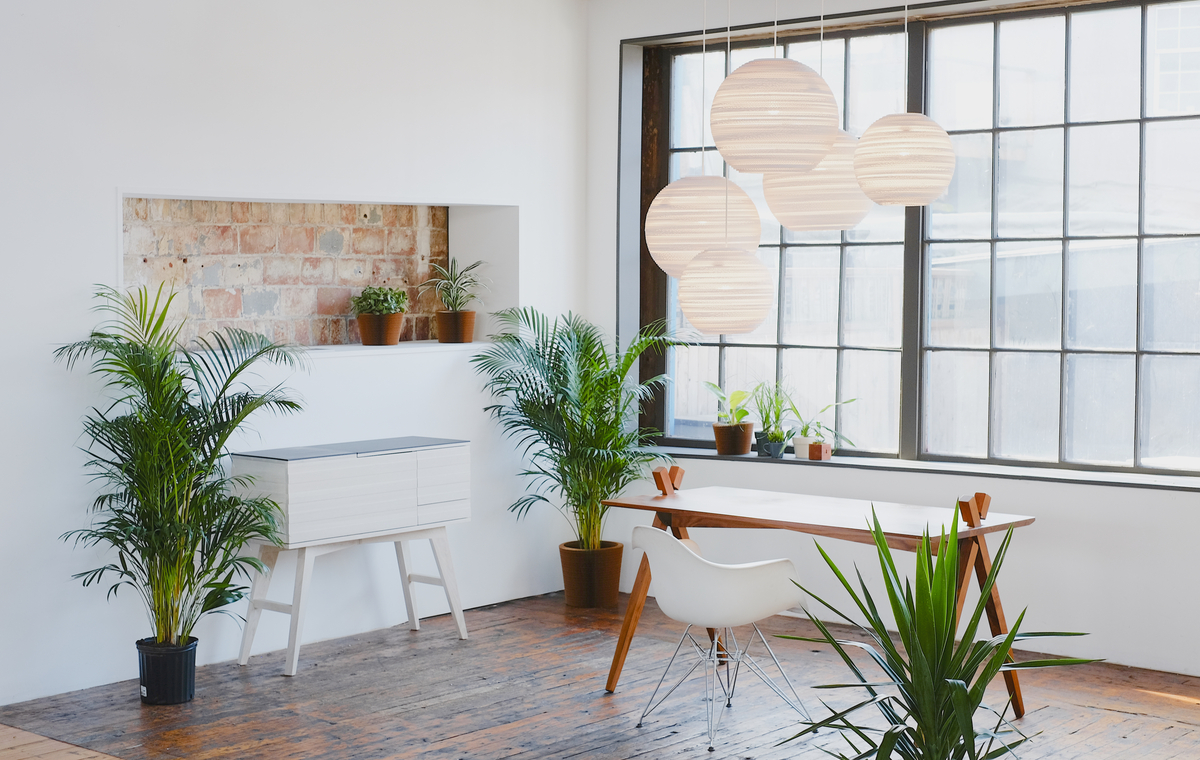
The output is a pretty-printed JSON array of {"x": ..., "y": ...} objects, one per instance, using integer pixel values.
[
  {"x": 934, "y": 685},
  {"x": 170, "y": 510},
  {"x": 572, "y": 408}
]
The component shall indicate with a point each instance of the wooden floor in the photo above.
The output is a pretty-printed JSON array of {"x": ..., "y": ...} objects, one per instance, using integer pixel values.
[{"x": 530, "y": 684}]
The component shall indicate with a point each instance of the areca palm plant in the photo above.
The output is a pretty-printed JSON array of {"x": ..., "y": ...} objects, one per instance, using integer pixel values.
[
  {"x": 932, "y": 686},
  {"x": 169, "y": 508},
  {"x": 569, "y": 403}
]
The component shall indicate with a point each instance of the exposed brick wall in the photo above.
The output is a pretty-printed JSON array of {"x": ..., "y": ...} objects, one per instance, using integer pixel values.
[{"x": 286, "y": 270}]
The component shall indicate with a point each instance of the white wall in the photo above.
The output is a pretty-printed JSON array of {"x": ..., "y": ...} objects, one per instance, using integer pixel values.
[
  {"x": 1117, "y": 562},
  {"x": 449, "y": 102}
]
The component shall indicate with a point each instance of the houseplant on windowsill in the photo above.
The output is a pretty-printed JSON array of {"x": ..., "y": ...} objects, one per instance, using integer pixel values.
[
  {"x": 570, "y": 405},
  {"x": 171, "y": 512},
  {"x": 732, "y": 435},
  {"x": 808, "y": 439},
  {"x": 771, "y": 401},
  {"x": 380, "y": 313},
  {"x": 456, "y": 288}
]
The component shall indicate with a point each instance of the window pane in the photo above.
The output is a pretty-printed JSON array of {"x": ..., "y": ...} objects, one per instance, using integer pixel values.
[
  {"x": 742, "y": 55},
  {"x": 1025, "y": 405},
  {"x": 810, "y": 296},
  {"x": 874, "y": 295},
  {"x": 693, "y": 409},
  {"x": 768, "y": 331},
  {"x": 873, "y": 421},
  {"x": 1031, "y": 57},
  {"x": 1173, "y": 176},
  {"x": 1102, "y": 294},
  {"x": 686, "y": 110},
  {"x": 1171, "y": 295},
  {"x": 753, "y": 185},
  {"x": 883, "y": 224},
  {"x": 960, "y": 76},
  {"x": 1029, "y": 192},
  {"x": 965, "y": 211},
  {"x": 811, "y": 377},
  {"x": 877, "y": 65},
  {"x": 958, "y": 295},
  {"x": 687, "y": 164},
  {"x": 747, "y": 367},
  {"x": 1028, "y": 309},
  {"x": 1170, "y": 412},
  {"x": 1099, "y": 409},
  {"x": 1173, "y": 59},
  {"x": 956, "y": 403},
  {"x": 829, "y": 62},
  {"x": 1105, "y": 64},
  {"x": 1104, "y": 180}
]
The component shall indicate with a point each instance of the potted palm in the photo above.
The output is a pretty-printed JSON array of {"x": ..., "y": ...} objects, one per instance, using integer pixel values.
[
  {"x": 731, "y": 434},
  {"x": 771, "y": 401},
  {"x": 569, "y": 403},
  {"x": 455, "y": 288},
  {"x": 171, "y": 513},
  {"x": 380, "y": 313},
  {"x": 808, "y": 439},
  {"x": 935, "y": 682}
]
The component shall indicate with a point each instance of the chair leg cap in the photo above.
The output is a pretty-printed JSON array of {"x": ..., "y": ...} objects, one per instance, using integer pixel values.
[{"x": 638, "y": 725}]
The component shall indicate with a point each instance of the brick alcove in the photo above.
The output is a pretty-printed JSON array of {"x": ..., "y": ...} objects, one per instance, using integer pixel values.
[{"x": 286, "y": 270}]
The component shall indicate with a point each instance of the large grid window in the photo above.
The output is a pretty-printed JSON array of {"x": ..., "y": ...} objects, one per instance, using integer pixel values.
[{"x": 1059, "y": 317}]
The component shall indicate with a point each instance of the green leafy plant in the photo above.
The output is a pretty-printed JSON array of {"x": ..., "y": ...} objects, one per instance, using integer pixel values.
[
  {"x": 380, "y": 301},
  {"x": 771, "y": 401},
  {"x": 938, "y": 684},
  {"x": 569, "y": 403},
  {"x": 731, "y": 408},
  {"x": 455, "y": 287},
  {"x": 170, "y": 512},
  {"x": 814, "y": 428}
]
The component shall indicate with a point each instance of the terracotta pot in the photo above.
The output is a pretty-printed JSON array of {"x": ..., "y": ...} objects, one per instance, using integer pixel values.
[
  {"x": 590, "y": 577},
  {"x": 818, "y": 451},
  {"x": 380, "y": 329},
  {"x": 733, "y": 440},
  {"x": 456, "y": 326}
]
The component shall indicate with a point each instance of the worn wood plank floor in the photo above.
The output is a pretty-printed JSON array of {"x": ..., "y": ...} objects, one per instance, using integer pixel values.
[{"x": 530, "y": 684}]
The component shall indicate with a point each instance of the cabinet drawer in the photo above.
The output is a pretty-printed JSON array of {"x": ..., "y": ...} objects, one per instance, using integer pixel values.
[
  {"x": 444, "y": 511},
  {"x": 443, "y": 475}
]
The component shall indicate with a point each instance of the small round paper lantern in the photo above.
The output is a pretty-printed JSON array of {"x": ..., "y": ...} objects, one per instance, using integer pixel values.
[
  {"x": 904, "y": 159},
  {"x": 774, "y": 115},
  {"x": 689, "y": 215},
  {"x": 826, "y": 198},
  {"x": 726, "y": 291}
]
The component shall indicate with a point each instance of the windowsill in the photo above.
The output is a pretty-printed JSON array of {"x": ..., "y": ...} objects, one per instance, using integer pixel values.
[
  {"x": 402, "y": 348},
  {"x": 1015, "y": 472}
]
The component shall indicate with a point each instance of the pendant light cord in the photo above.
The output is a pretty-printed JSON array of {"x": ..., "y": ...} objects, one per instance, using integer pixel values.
[
  {"x": 704, "y": 81},
  {"x": 728, "y": 54},
  {"x": 906, "y": 46},
  {"x": 775, "y": 38}
]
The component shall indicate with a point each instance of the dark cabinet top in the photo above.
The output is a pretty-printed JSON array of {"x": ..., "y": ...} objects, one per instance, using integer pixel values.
[{"x": 377, "y": 446}]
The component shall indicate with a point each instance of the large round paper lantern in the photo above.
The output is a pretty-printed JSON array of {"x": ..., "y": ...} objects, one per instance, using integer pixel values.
[
  {"x": 695, "y": 213},
  {"x": 826, "y": 198},
  {"x": 904, "y": 159},
  {"x": 726, "y": 291},
  {"x": 774, "y": 115}
]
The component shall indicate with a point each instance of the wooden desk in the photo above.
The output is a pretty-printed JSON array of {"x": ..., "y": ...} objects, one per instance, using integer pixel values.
[{"x": 846, "y": 519}]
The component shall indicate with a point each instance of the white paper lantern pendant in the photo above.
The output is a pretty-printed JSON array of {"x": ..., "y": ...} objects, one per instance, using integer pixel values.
[
  {"x": 905, "y": 159},
  {"x": 689, "y": 215},
  {"x": 726, "y": 291},
  {"x": 774, "y": 115},
  {"x": 826, "y": 198}
]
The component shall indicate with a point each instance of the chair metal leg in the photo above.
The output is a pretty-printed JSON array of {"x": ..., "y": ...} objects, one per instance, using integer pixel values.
[{"x": 651, "y": 705}]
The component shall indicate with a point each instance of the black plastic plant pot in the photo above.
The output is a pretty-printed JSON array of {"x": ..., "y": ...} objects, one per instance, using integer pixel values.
[
  {"x": 775, "y": 450},
  {"x": 761, "y": 442},
  {"x": 168, "y": 673}
]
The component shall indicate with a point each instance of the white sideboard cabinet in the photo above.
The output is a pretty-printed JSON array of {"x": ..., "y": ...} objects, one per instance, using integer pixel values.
[{"x": 339, "y": 495}]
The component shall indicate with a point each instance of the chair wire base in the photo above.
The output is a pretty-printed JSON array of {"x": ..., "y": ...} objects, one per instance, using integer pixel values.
[{"x": 723, "y": 651}]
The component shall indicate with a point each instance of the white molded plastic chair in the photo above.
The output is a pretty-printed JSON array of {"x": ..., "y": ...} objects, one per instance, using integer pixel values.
[{"x": 692, "y": 590}]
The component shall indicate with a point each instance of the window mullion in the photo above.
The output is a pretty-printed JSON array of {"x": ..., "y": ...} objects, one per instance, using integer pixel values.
[{"x": 914, "y": 233}]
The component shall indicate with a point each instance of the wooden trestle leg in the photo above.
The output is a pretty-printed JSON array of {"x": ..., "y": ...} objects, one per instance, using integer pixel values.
[{"x": 973, "y": 553}]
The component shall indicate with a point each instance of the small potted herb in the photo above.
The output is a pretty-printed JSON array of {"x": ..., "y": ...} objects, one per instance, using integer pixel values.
[
  {"x": 810, "y": 435},
  {"x": 380, "y": 313},
  {"x": 771, "y": 401},
  {"x": 456, "y": 289},
  {"x": 732, "y": 435}
]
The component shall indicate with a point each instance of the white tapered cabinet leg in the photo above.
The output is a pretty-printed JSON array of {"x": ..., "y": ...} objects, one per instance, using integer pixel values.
[
  {"x": 410, "y": 604},
  {"x": 268, "y": 555},
  {"x": 304, "y": 568},
  {"x": 441, "y": 553}
]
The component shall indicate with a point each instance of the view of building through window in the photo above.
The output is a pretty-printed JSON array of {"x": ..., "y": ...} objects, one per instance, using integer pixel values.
[{"x": 1060, "y": 311}]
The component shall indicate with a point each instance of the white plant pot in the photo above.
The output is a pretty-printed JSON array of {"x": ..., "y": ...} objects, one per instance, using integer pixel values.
[{"x": 800, "y": 445}]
